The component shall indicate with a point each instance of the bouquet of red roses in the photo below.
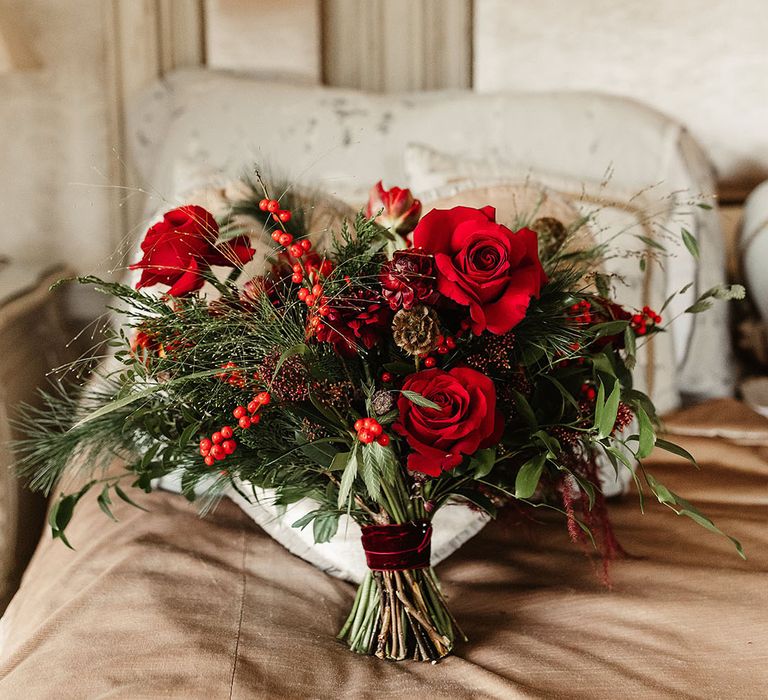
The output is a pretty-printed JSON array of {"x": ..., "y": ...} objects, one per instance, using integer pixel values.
[{"x": 409, "y": 363}]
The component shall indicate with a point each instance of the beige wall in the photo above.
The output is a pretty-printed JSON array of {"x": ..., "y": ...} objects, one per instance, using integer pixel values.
[{"x": 67, "y": 196}]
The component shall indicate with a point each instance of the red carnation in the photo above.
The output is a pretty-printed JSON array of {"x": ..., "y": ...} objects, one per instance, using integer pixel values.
[
  {"x": 352, "y": 319},
  {"x": 181, "y": 248},
  {"x": 401, "y": 211},
  {"x": 483, "y": 265},
  {"x": 408, "y": 279},
  {"x": 466, "y": 421}
]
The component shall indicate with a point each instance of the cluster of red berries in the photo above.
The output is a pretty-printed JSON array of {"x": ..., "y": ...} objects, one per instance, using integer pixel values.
[
  {"x": 222, "y": 442},
  {"x": 641, "y": 321},
  {"x": 218, "y": 446},
  {"x": 581, "y": 312},
  {"x": 273, "y": 207},
  {"x": 369, "y": 429},
  {"x": 234, "y": 377},
  {"x": 314, "y": 297},
  {"x": 296, "y": 249}
]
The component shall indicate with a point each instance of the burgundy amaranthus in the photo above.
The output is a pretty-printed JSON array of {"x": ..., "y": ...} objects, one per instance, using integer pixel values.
[
  {"x": 357, "y": 317},
  {"x": 409, "y": 279}
]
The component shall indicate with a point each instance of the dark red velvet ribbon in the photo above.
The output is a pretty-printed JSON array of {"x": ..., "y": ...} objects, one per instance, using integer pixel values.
[{"x": 397, "y": 547}]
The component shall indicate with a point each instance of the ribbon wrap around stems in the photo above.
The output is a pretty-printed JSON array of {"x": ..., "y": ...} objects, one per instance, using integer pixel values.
[{"x": 397, "y": 547}]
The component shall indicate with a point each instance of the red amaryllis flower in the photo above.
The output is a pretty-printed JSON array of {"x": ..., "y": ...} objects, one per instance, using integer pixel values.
[
  {"x": 483, "y": 265},
  {"x": 408, "y": 279},
  {"x": 401, "y": 211},
  {"x": 355, "y": 318},
  {"x": 466, "y": 421},
  {"x": 178, "y": 250}
]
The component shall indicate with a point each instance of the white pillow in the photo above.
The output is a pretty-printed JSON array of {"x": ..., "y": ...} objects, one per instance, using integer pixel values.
[{"x": 668, "y": 370}]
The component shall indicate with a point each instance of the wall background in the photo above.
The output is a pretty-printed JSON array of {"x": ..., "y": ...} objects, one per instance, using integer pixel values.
[{"x": 67, "y": 195}]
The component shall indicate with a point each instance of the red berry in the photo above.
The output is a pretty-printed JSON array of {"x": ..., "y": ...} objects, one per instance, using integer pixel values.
[
  {"x": 359, "y": 424},
  {"x": 285, "y": 239},
  {"x": 386, "y": 377},
  {"x": 376, "y": 430},
  {"x": 217, "y": 452},
  {"x": 310, "y": 300},
  {"x": 296, "y": 250},
  {"x": 272, "y": 206},
  {"x": 306, "y": 244},
  {"x": 365, "y": 437},
  {"x": 226, "y": 432},
  {"x": 253, "y": 406},
  {"x": 263, "y": 204},
  {"x": 263, "y": 398},
  {"x": 239, "y": 412},
  {"x": 216, "y": 438},
  {"x": 209, "y": 460},
  {"x": 317, "y": 290},
  {"x": 450, "y": 342},
  {"x": 430, "y": 361},
  {"x": 244, "y": 422},
  {"x": 284, "y": 216},
  {"x": 326, "y": 267},
  {"x": 368, "y": 422},
  {"x": 276, "y": 235},
  {"x": 205, "y": 445},
  {"x": 297, "y": 268},
  {"x": 255, "y": 419},
  {"x": 204, "y": 453},
  {"x": 229, "y": 446},
  {"x": 303, "y": 293},
  {"x": 443, "y": 350},
  {"x": 383, "y": 439},
  {"x": 297, "y": 278},
  {"x": 637, "y": 319}
]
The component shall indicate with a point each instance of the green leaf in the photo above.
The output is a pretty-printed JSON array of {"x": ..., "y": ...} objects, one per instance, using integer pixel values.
[
  {"x": 339, "y": 461},
  {"x": 124, "y": 496},
  {"x": 614, "y": 451},
  {"x": 682, "y": 507},
  {"x": 527, "y": 478},
  {"x": 325, "y": 526},
  {"x": 104, "y": 503},
  {"x": 524, "y": 409},
  {"x": 608, "y": 328},
  {"x": 608, "y": 416},
  {"x": 691, "y": 243},
  {"x": 348, "y": 478},
  {"x": 650, "y": 242},
  {"x": 630, "y": 347},
  {"x": 482, "y": 462},
  {"x": 187, "y": 434},
  {"x": 599, "y": 406},
  {"x": 699, "y": 306},
  {"x": 647, "y": 436},
  {"x": 419, "y": 400},
  {"x": 676, "y": 450}
]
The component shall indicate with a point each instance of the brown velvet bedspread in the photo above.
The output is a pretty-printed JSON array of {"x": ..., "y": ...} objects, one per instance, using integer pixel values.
[{"x": 164, "y": 604}]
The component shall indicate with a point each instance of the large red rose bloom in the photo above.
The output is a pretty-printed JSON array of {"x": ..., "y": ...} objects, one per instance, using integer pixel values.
[
  {"x": 483, "y": 265},
  {"x": 178, "y": 250},
  {"x": 466, "y": 421}
]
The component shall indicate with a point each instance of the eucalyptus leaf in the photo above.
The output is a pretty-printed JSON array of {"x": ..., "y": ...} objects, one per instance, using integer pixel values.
[
  {"x": 528, "y": 477},
  {"x": 419, "y": 400},
  {"x": 691, "y": 243},
  {"x": 647, "y": 436},
  {"x": 608, "y": 416}
]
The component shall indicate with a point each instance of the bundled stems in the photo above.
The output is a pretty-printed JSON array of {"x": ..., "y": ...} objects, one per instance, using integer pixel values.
[{"x": 401, "y": 615}]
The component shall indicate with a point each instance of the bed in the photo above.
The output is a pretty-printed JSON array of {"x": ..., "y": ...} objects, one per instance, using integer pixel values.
[{"x": 165, "y": 604}]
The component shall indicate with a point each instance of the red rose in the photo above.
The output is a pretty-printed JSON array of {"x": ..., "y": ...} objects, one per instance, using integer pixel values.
[
  {"x": 400, "y": 212},
  {"x": 179, "y": 249},
  {"x": 466, "y": 421},
  {"x": 483, "y": 265}
]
